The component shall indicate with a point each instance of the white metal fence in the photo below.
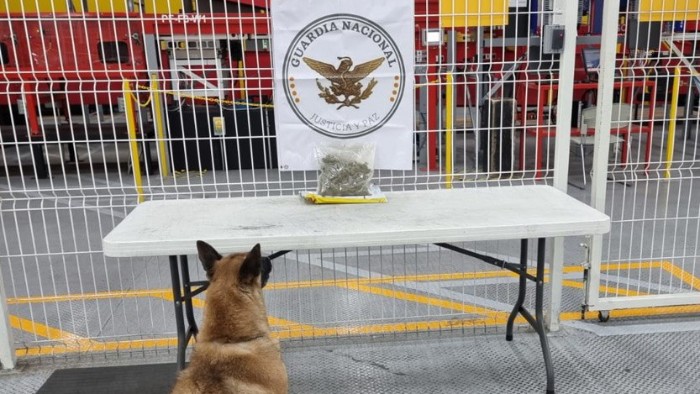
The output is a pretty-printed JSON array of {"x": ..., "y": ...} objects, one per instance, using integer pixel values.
[
  {"x": 101, "y": 110},
  {"x": 650, "y": 188}
]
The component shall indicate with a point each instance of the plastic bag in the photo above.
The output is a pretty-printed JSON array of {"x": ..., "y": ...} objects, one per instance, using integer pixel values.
[{"x": 345, "y": 170}]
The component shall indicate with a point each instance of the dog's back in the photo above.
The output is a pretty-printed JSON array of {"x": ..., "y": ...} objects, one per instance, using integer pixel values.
[
  {"x": 234, "y": 352},
  {"x": 254, "y": 367}
]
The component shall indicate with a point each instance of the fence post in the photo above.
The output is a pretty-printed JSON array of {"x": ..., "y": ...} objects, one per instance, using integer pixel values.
[
  {"x": 601, "y": 150},
  {"x": 8, "y": 358},
  {"x": 566, "y": 14}
]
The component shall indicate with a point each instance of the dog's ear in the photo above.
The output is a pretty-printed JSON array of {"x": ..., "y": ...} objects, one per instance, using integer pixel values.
[
  {"x": 250, "y": 269},
  {"x": 208, "y": 256}
]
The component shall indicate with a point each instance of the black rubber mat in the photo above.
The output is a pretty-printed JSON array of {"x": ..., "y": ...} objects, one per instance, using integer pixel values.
[{"x": 141, "y": 379}]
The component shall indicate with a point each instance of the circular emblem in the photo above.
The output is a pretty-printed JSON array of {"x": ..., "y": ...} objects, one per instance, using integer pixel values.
[{"x": 343, "y": 76}]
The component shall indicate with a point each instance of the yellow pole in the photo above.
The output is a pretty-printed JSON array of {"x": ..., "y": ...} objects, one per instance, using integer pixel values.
[
  {"x": 160, "y": 130},
  {"x": 449, "y": 103},
  {"x": 672, "y": 120},
  {"x": 131, "y": 128},
  {"x": 241, "y": 80}
]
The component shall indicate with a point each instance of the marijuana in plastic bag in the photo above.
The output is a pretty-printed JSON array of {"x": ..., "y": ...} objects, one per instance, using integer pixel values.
[{"x": 346, "y": 170}]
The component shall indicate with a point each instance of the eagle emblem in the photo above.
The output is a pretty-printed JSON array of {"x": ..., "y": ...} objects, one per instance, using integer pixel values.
[{"x": 346, "y": 88}]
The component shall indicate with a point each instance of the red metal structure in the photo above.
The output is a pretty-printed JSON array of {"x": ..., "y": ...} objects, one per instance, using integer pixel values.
[{"x": 81, "y": 59}]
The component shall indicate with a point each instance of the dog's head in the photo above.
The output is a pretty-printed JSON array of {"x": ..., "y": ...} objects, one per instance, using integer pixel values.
[{"x": 243, "y": 270}]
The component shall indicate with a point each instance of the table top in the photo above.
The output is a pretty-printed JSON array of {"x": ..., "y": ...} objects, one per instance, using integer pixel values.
[{"x": 172, "y": 227}]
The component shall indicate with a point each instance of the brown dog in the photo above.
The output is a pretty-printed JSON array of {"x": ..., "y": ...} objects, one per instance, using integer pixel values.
[{"x": 234, "y": 352}]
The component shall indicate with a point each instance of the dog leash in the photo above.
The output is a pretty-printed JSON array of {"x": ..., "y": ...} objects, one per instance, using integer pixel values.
[{"x": 278, "y": 254}]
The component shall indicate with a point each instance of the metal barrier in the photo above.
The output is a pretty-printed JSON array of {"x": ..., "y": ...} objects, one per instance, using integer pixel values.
[
  {"x": 649, "y": 187},
  {"x": 92, "y": 103}
]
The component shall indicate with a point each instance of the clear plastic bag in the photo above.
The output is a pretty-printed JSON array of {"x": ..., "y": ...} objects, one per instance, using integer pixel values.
[{"x": 345, "y": 170}]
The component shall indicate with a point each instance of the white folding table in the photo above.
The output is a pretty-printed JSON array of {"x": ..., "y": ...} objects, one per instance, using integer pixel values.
[{"x": 171, "y": 228}]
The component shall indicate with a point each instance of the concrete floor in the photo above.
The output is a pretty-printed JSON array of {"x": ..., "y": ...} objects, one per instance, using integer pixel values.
[{"x": 654, "y": 356}]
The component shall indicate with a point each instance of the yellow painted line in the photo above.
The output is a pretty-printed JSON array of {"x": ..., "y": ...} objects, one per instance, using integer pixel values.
[
  {"x": 402, "y": 295},
  {"x": 447, "y": 276},
  {"x": 274, "y": 321},
  {"x": 387, "y": 328},
  {"x": 607, "y": 289},
  {"x": 389, "y": 279},
  {"x": 631, "y": 266},
  {"x": 299, "y": 331},
  {"x": 300, "y": 284},
  {"x": 681, "y": 274},
  {"x": 71, "y": 340},
  {"x": 279, "y": 322},
  {"x": 286, "y": 329},
  {"x": 167, "y": 293},
  {"x": 90, "y": 296},
  {"x": 196, "y": 302},
  {"x": 96, "y": 346},
  {"x": 293, "y": 332},
  {"x": 40, "y": 329}
]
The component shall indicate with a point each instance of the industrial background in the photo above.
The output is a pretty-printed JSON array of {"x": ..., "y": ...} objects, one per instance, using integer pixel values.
[{"x": 108, "y": 103}]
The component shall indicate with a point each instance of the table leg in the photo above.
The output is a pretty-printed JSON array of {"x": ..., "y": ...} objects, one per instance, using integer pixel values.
[
  {"x": 539, "y": 315},
  {"x": 187, "y": 298},
  {"x": 537, "y": 321},
  {"x": 521, "y": 290},
  {"x": 179, "y": 317}
]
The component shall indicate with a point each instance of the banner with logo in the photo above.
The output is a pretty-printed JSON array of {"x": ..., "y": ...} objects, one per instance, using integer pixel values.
[{"x": 343, "y": 75}]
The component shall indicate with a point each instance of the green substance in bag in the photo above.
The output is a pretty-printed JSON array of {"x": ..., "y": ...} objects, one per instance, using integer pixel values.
[{"x": 343, "y": 177}]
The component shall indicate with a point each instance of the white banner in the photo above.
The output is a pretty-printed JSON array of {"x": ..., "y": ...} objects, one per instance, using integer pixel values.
[{"x": 343, "y": 75}]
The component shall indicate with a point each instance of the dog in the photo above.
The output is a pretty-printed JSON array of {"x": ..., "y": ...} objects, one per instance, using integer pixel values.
[{"x": 234, "y": 352}]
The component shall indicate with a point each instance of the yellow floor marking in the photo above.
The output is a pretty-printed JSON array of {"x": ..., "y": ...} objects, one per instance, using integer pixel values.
[
  {"x": 606, "y": 289},
  {"x": 274, "y": 321},
  {"x": 196, "y": 302},
  {"x": 291, "y": 329},
  {"x": 297, "y": 331},
  {"x": 498, "y": 318},
  {"x": 631, "y": 266},
  {"x": 681, "y": 274},
  {"x": 96, "y": 346},
  {"x": 279, "y": 322},
  {"x": 90, "y": 296},
  {"x": 70, "y": 340},
  {"x": 167, "y": 293},
  {"x": 294, "y": 332},
  {"x": 402, "y": 295},
  {"x": 387, "y": 279}
]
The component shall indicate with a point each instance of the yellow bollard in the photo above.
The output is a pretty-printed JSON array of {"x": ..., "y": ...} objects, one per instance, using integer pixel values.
[
  {"x": 241, "y": 80},
  {"x": 160, "y": 129},
  {"x": 673, "y": 115},
  {"x": 133, "y": 145},
  {"x": 449, "y": 103}
]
